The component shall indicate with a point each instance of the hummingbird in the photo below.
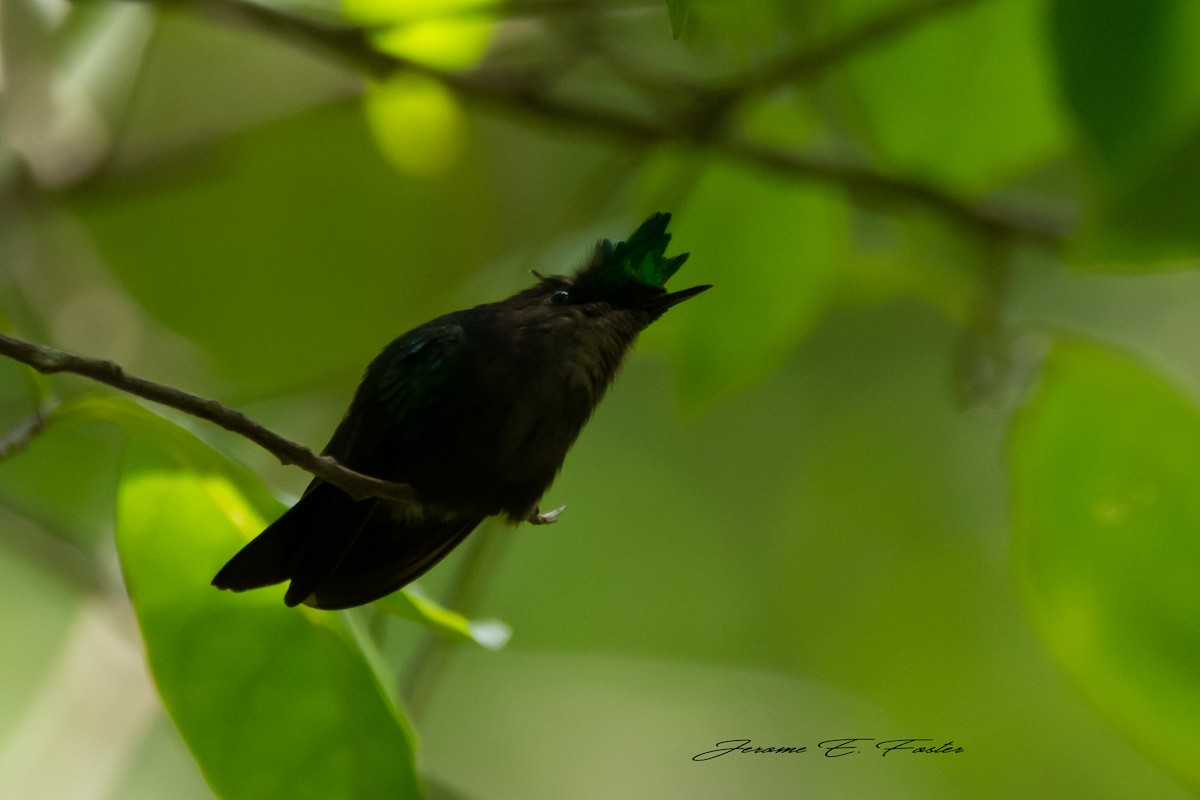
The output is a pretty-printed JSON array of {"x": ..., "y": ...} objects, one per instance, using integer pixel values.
[{"x": 475, "y": 410}]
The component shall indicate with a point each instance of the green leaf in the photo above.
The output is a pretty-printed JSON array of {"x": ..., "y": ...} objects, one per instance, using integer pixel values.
[
  {"x": 447, "y": 34},
  {"x": 65, "y": 480},
  {"x": 297, "y": 251},
  {"x": 773, "y": 272},
  {"x": 1129, "y": 73},
  {"x": 749, "y": 29},
  {"x": 272, "y": 244},
  {"x": 273, "y": 702},
  {"x": 127, "y": 414},
  {"x": 1130, "y": 76},
  {"x": 418, "y": 123},
  {"x": 677, "y": 11},
  {"x": 414, "y": 605},
  {"x": 1105, "y": 466},
  {"x": 1148, "y": 223},
  {"x": 965, "y": 99}
]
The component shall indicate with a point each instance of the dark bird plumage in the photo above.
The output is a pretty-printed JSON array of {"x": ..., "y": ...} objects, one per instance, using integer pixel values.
[{"x": 476, "y": 410}]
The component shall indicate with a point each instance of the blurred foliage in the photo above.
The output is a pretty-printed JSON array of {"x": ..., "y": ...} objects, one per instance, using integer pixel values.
[
  {"x": 180, "y": 508},
  {"x": 1106, "y": 499},
  {"x": 923, "y": 463}
]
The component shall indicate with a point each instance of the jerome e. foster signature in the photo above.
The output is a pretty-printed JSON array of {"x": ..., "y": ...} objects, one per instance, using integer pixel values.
[{"x": 834, "y": 748}]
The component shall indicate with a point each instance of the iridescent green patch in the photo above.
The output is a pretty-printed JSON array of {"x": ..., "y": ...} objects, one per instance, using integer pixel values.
[{"x": 641, "y": 258}]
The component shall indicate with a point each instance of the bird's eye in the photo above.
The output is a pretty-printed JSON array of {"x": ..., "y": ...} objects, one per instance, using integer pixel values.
[{"x": 561, "y": 297}]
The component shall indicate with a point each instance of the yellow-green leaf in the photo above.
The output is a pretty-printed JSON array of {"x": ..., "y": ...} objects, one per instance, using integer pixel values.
[
  {"x": 415, "y": 605},
  {"x": 273, "y": 702},
  {"x": 1105, "y": 464},
  {"x": 417, "y": 122},
  {"x": 448, "y": 34}
]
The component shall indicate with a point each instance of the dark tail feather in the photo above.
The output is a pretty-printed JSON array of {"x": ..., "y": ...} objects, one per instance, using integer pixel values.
[
  {"x": 388, "y": 555},
  {"x": 339, "y": 552},
  {"x": 305, "y": 544}
]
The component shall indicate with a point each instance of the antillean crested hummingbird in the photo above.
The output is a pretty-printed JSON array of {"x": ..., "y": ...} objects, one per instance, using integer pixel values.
[{"x": 475, "y": 410}]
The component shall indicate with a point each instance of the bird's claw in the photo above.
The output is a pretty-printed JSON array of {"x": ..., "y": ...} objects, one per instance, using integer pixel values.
[{"x": 537, "y": 518}]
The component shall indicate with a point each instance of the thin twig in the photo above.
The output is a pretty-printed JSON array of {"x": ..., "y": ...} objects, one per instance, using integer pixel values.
[
  {"x": 54, "y": 554},
  {"x": 20, "y": 436},
  {"x": 348, "y": 44},
  {"x": 48, "y": 360}
]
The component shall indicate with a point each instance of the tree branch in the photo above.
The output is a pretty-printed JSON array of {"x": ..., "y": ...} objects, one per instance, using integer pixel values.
[
  {"x": 523, "y": 94},
  {"x": 824, "y": 56},
  {"x": 48, "y": 360},
  {"x": 818, "y": 59},
  {"x": 858, "y": 179}
]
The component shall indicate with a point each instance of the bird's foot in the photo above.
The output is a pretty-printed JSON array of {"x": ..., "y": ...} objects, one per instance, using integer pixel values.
[{"x": 538, "y": 518}]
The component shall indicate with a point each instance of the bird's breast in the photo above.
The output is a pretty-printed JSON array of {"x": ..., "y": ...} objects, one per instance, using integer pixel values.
[{"x": 498, "y": 436}]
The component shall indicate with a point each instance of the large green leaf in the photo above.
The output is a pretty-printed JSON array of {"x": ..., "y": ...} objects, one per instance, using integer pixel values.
[
  {"x": 1105, "y": 464},
  {"x": 1129, "y": 73},
  {"x": 273, "y": 702},
  {"x": 297, "y": 251},
  {"x": 64, "y": 479},
  {"x": 1149, "y": 222},
  {"x": 260, "y": 256},
  {"x": 964, "y": 99},
  {"x": 773, "y": 272},
  {"x": 1130, "y": 76}
]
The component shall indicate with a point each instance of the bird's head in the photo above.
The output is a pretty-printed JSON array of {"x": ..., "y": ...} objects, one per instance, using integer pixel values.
[{"x": 627, "y": 279}]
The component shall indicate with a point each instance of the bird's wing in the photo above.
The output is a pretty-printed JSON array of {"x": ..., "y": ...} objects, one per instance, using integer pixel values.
[
  {"x": 389, "y": 406},
  {"x": 311, "y": 539},
  {"x": 399, "y": 386}
]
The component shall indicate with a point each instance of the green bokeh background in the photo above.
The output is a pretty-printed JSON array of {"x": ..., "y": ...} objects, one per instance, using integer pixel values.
[{"x": 893, "y": 477}]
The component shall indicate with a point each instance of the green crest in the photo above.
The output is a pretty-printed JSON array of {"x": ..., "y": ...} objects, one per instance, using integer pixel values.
[{"x": 642, "y": 257}]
